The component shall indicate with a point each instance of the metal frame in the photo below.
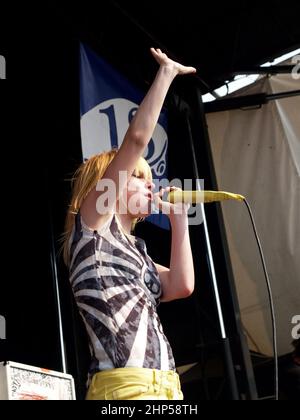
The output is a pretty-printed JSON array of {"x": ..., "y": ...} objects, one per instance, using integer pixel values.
[{"x": 236, "y": 351}]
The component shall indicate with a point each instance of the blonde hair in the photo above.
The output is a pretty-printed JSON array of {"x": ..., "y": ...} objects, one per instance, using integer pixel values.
[{"x": 84, "y": 180}]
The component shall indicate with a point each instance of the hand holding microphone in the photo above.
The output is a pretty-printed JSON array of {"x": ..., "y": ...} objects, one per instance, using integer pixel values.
[{"x": 168, "y": 207}]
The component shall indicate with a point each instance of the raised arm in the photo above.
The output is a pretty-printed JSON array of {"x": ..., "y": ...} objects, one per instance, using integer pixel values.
[{"x": 137, "y": 136}]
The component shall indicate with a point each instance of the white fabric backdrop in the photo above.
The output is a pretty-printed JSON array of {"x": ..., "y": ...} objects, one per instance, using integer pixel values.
[{"x": 257, "y": 153}]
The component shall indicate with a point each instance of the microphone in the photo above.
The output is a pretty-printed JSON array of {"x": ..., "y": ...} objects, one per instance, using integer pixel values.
[{"x": 194, "y": 197}]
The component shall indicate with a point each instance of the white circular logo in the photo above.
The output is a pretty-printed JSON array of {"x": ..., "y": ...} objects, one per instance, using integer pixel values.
[{"x": 105, "y": 125}]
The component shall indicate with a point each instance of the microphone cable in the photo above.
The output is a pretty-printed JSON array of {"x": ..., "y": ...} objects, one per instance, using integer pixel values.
[
  {"x": 274, "y": 329},
  {"x": 205, "y": 196}
]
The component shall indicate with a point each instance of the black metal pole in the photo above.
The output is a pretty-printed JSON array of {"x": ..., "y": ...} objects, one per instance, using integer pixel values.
[
  {"x": 246, "y": 101},
  {"x": 227, "y": 352},
  {"x": 232, "y": 335},
  {"x": 56, "y": 290}
]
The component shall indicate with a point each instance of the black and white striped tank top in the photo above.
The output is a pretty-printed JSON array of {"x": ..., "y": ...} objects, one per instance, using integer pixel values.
[{"x": 116, "y": 286}]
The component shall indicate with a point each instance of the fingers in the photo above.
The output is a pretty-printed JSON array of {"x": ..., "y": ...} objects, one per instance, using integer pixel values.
[
  {"x": 191, "y": 69},
  {"x": 171, "y": 210},
  {"x": 187, "y": 70},
  {"x": 156, "y": 51},
  {"x": 162, "y": 191},
  {"x": 160, "y": 57},
  {"x": 163, "y": 59}
]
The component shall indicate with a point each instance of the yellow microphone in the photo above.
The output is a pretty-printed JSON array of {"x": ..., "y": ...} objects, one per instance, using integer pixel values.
[{"x": 194, "y": 197}]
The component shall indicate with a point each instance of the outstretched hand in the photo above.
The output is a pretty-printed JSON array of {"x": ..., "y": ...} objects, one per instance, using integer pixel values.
[{"x": 164, "y": 60}]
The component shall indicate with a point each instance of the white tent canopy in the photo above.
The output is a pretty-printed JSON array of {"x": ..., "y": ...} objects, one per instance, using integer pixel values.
[{"x": 256, "y": 153}]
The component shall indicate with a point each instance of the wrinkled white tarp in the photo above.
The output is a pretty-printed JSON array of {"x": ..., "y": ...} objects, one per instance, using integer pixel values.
[{"x": 257, "y": 154}]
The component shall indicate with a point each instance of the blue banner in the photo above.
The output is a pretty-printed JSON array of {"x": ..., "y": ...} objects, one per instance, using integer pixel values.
[{"x": 108, "y": 102}]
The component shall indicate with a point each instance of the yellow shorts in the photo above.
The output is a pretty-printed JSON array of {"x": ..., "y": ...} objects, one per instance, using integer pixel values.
[{"x": 135, "y": 384}]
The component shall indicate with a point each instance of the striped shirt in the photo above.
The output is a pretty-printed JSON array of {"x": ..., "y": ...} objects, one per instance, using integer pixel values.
[{"x": 117, "y": 289}]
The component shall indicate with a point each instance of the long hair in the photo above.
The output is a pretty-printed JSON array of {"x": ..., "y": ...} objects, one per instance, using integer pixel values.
[{"x": 83, "y": 181}]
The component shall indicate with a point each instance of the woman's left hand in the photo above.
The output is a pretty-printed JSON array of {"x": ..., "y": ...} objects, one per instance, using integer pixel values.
[{"x": 168, "y": 208}]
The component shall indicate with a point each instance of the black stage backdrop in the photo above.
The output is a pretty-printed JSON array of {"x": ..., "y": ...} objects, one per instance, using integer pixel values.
[{"x": 40, "y": 132}]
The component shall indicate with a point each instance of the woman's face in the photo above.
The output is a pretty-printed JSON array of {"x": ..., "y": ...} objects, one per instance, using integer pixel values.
[{"x": 137, "y": 197}]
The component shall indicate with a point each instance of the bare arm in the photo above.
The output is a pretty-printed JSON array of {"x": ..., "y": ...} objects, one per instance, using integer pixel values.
[
  {"x": 137, "y": 136},
  {"x": 178, "y": 280}
]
